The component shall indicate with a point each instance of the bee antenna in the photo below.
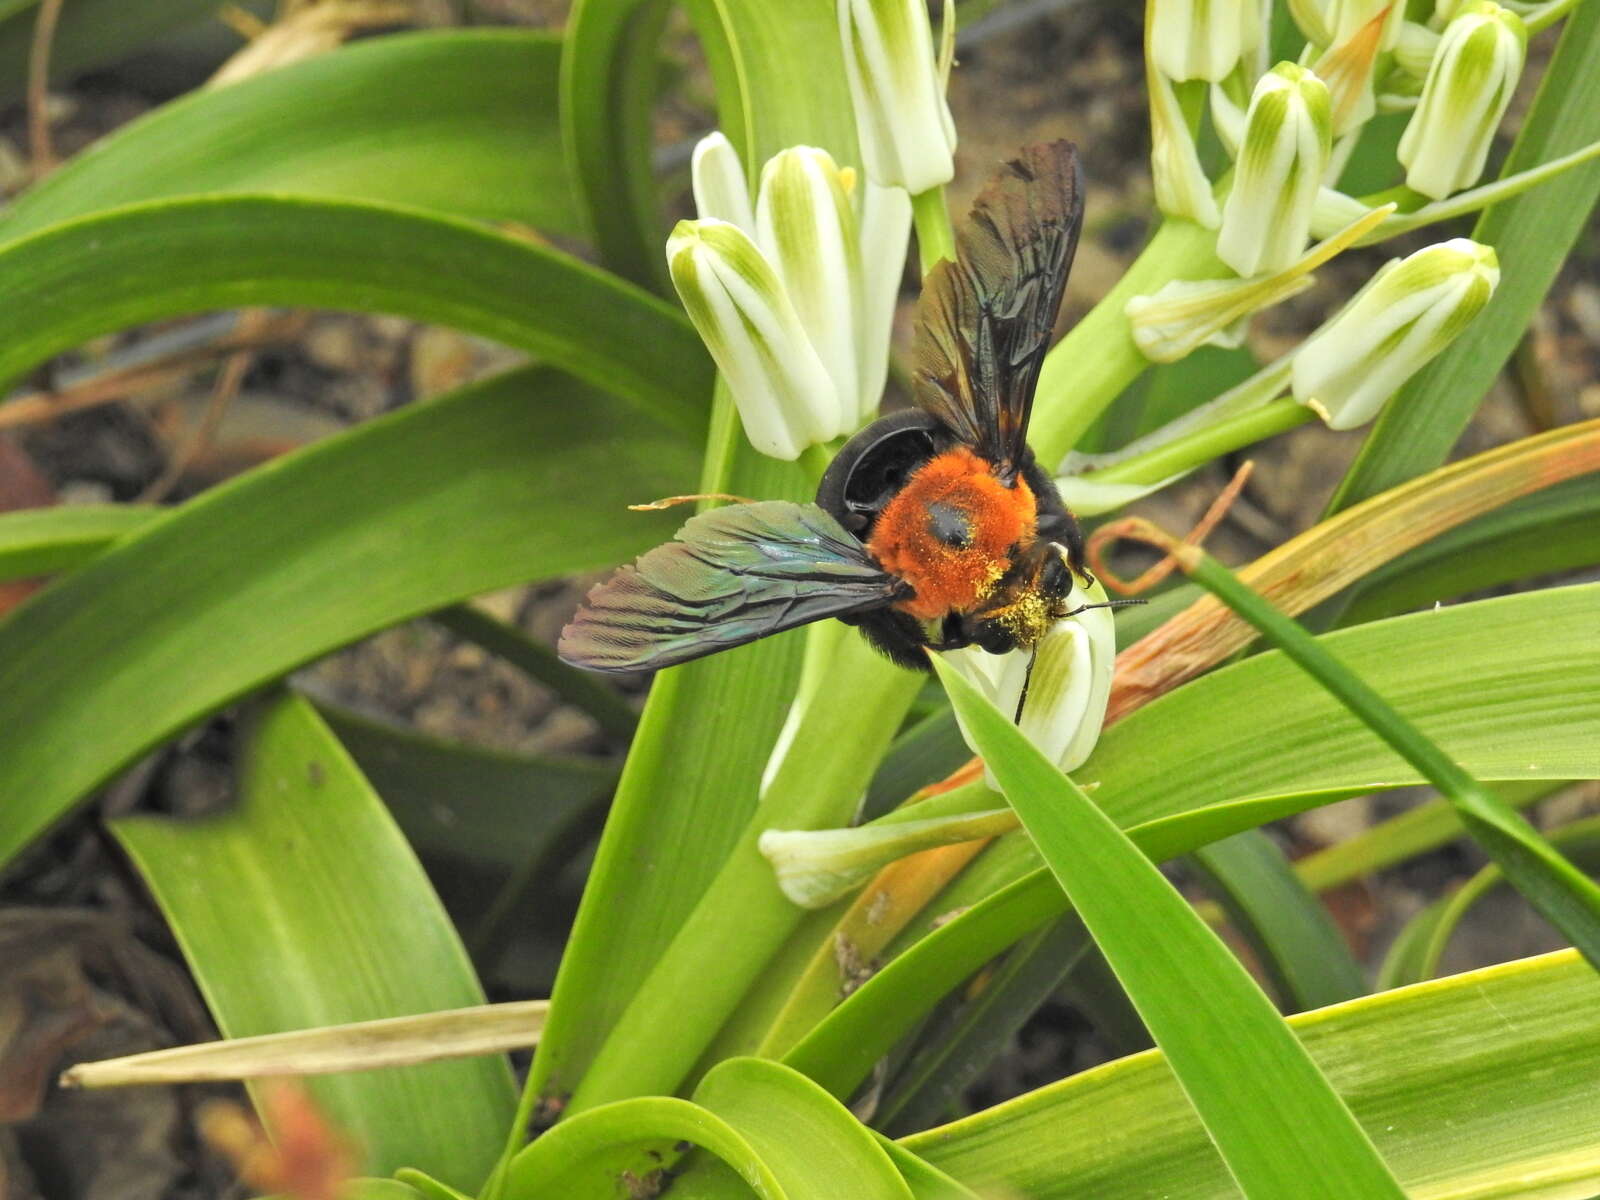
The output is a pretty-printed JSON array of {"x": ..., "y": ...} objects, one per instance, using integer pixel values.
[{"x": 1106, "y": 604}]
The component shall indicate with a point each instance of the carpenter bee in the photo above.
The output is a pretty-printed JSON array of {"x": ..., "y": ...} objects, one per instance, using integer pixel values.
[{"x": 933, "y": 528}]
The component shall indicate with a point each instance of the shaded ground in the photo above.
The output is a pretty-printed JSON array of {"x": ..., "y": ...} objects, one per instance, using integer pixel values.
[{"x": 89, "y": 970}]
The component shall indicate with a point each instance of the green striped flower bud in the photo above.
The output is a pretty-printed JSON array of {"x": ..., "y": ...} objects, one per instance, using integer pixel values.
[
  {"x": 1201, "y": 39},
  {"x": 1469, "y": 85},
  {"x": 903, "y": 123},
  {"x": 1288, "y": 136},
  {"x": 1064, "y": 698},
  {"x": 806, "y": 226},
  {"x": 736, "y": 301},
  {"x": 1409, "y": 311}
]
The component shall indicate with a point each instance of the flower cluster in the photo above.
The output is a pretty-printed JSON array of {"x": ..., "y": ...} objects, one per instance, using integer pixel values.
[
  {"x": 1290, "y": 131},
  {"x": 782, "y": 293}
]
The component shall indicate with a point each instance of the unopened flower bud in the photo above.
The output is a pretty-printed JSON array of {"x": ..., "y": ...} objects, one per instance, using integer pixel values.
[
  {"x": 1201, "y": 39},
  {"x": 784, "y": 395},
  {"x": 807, "y": 228},
  {"x": 1063, "y": 699},
  {"x": 720, "y": 190},
  {"x": 1409, "y": 311},
  {"x": 1282, "y": 156},
  {"x": 1469, "y": 85},
  {"x": 1182, "y": 189},
  {"x": 903, "y": 122}
]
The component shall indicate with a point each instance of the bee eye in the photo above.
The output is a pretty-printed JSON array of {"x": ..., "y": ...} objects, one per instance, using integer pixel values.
[
  {"x": 994, "y": 637},
  {"x": 1055, "y": 576}
]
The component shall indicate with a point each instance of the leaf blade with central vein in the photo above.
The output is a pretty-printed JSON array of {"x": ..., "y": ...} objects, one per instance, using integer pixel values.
[
  {"x": 1262, "y": 1100},
  {"x": 402, "y": 516}
]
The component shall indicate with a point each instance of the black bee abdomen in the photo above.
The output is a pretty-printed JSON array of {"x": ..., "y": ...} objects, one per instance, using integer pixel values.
[{"x": 874, "y": 465}]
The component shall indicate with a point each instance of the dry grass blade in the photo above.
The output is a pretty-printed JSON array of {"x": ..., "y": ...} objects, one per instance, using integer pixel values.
[
  {"x": 252, "y": 329},
  {"x": 362, "y": 1046},
  {"x": 309, "y": 30},
  {"x": 1332, "y": 555},
  {"x": 44, "y": 35}
]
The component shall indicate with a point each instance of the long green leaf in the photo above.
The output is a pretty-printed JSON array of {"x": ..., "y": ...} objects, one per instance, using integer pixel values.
[
  {"x": 690, "y": 785},
  {"x": 460, "y": 121},
  {"x": 82, "y": 278},
  {"x": 303, "y": 906},
  {"x": 1479, "y": 1085},
  {"x": 1527, "y": 714},
  {"x": 575, "y": 1158},
  {"x": 1532, "y": 234},
  {"x": 808, "y": 1138},
  {"x": 1170, "y": 805},
  {"x": 1260, "y": 1097},
  {"x": 401, "y": 516},
  {"x": 1302, "y": 951},
  {"x": 1562, "y": 894},
  {"x": 480, "y": 810},
  {"x": 1430, "y": 931},
  {"x": 608, "y": 80},
  {"x": 1555, "y": 529},
  {"x": 950, "y": 1057},
  {"x": 40, "y": 541}
]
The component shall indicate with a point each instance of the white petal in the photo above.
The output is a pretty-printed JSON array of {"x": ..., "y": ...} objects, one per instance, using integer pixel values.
[
  {"x": 885, "y": 235},
  {"x": 720, "y": 191}
]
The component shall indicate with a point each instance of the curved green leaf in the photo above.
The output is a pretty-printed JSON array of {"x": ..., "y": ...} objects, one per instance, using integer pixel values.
[
  {"x": 999, "y": 901},
  {"x": 461, "y": 121},
  {"x": 608, "y": 81},
  {"x": 307, "y": 882},
  {"x": 1478, "y": 1085},
  {"x": 1527, "y": 714},
  {"x": 575, "y": 1157},
  {"x": 1256, "y": 1090},
  {"x": 808, "y": 1138},
  {"x": 1430, "y": 931},
  {"x": 690, "y": 785},
  {"x": 1554, "y": 529},
  {"x": 76, "y": 280},
  {"x": 40, "y": 541},
  {"x": 400, "y": 516},
  {"x": 1296, "y": 942}
]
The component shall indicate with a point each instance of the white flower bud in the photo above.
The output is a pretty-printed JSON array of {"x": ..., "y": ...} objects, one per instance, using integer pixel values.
[
  {"x": 1068, "y": 689},
  {"x": 1182, "y": 189},
  {"x": 1409, "y": 311},
  {"x": 1287, "y": 140},
  {"x": 885, "y": 233},
  {"x": 1201, "y": 39},
  {"x": 720, "y": 191},
  {"x": 816, "y": 867},
  {"x": 903, "y": 122},
  {"x": 784, "y": 395},
  {"x": 807, "y": 228},
  {"x": 1469, "y": 85}
]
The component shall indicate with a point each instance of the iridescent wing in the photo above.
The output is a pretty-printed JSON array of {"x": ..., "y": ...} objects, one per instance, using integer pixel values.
[
  {"x": 984, "y": 321},
  {"x": 735, "y": 574}
]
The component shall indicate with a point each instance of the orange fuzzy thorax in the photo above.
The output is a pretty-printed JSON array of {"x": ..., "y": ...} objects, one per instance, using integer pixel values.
[{"x": 950, "y": 578}]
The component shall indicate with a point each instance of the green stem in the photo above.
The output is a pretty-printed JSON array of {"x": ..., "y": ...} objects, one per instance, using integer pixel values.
[
  {"x": 1090, "y": 367},
  {"x": 1563, "y": 894},
  {"x": 1186, "y": 453},
  {"x": 935, "y": 238}
]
